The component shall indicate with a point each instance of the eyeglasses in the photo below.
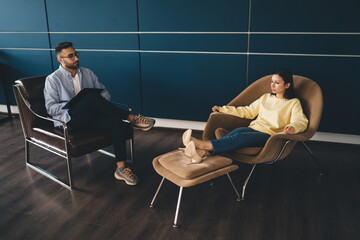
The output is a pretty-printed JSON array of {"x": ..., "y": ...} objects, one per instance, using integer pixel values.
[{"x": 72, "y": 56}]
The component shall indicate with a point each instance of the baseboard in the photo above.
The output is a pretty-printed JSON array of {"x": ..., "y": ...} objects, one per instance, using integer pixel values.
[
  {"x": 184, "y": 124},
  {"x": 3, "y": 109}
]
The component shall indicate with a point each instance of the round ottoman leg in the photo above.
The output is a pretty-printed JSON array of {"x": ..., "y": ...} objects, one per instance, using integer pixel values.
[{"x": 177, "y": 208}]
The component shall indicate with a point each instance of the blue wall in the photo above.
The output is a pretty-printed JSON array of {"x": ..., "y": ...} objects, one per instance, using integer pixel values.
[{"x": 194, "y": 54}]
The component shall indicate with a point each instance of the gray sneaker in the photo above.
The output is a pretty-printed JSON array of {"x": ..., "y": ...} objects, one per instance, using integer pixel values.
[
  {"x": 127, "y": 175},
  {"x": 143, "y": 123}
]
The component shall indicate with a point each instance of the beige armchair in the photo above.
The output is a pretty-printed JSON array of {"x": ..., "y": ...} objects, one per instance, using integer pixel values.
[{"x": 279, "y": 145}]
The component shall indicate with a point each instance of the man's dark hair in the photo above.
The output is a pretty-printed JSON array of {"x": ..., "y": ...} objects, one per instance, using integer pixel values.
[{"x": 60, "y": 46}]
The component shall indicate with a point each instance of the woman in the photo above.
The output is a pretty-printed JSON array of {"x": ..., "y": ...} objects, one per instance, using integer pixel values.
[{"x": 279, "y": 111}]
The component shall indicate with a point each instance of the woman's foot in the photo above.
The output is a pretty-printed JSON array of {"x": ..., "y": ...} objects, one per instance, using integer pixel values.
[
  {"x": 203, "y": 145},
  {"x": 199, "y": 144},
  {"x": 186, "y": 137},
  {"x": 196, "y": 155}
]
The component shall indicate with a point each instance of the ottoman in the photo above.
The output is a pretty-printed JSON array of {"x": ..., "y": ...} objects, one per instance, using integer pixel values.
[{"x": 175, "y": 167}]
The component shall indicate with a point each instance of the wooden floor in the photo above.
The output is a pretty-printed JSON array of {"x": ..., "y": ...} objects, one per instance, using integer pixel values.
[{"x": 286, "y": 200}]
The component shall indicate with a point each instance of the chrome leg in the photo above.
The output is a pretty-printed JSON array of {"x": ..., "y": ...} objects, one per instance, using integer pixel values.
[
  {"x": 177, "y": 208},
  {"x": 232, "y": 184},
  {"x": 42, "y": 171},
  {"x": 131, "y": 149},
  {"x": 246, "y": 182},
  {"x": 313, "y": 156},
  {"x": 48, "y": 175},
  {"x": 69, "y": 169},
  {"x": 27, "y": 152},
  {"x": 157, "y": 191},
  {"x": 107, "y": 153}
]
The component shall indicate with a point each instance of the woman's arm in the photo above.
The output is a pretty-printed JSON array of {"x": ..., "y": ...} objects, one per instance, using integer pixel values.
[
  {"x": 298, "y": 120},
  {"x": 248, "y": 112}
]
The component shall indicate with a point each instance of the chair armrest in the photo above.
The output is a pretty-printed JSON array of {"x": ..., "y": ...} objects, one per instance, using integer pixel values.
[
  {"x": 223, "y": 120},
  {"x": 278, "y": 146},
  {"x": 28, "y": 105},
  {"x": 304, "y": 136}
]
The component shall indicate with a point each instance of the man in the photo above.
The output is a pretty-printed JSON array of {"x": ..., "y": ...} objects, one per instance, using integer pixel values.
[{"x": 91, "y": 111}]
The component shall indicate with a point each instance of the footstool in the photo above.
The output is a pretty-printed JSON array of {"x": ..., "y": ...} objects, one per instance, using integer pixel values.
[{"x": 175, "y": 167}]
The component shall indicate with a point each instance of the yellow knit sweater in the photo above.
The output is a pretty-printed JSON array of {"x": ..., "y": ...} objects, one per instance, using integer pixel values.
[{"x": 273, "y": 114}]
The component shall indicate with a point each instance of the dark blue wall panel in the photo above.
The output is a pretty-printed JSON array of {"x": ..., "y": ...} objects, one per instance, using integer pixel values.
[
  {"x": 85, "y": 15},
  {"x": 186, "y": 86},
  {"x": 98, "y": 41},
  {"x": 337, "y": 77},
  {"x": 305, "y": 16},
  {"x": 22, "y": 15},
  {"x": 24, "y": 40},
  {"x": 307, "y": 44},
  {"x": 189, "y": 15},
  {"x": 194, "y": 42},
  {"x": 22, "y": 63}
]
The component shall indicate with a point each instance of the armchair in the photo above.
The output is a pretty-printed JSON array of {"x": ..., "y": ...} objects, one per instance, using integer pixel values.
[
  {"x": 279, "y": 145},
  {"x": 38, "y": 129}
]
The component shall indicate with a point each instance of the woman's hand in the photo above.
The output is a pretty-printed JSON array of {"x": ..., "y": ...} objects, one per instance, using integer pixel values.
[
  {"x": 289, "y": 129},
  {"x": 215, "y": 108}
]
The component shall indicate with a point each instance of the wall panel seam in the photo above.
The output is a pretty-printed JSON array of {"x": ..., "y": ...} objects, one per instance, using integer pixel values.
[
  {"x": 184, "y": 32},
  {"x": 197, "y": 52}
]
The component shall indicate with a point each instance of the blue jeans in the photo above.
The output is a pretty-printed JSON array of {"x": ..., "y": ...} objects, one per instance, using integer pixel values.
[{"x": 239, "y": 138}]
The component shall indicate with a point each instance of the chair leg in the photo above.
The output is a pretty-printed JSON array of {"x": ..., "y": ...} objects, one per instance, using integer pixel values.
[
  {"x": 315, "y": 158},
  {"x": 46, "y": 173},
  {"x": 232, "y": 184},
  {"x": 131, "y": 140},
  {"x": 69, "y": 169},
  {"x": 157, "y": 191},
  {"x": 177, "y": 208},
  {"x": 27, "y": 152},
  {"x": 246, "y": 182}
]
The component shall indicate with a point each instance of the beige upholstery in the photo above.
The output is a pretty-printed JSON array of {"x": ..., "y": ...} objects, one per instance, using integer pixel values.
[
  {"x": 174, "y": 167},
  {"x": 308, "y": 92}
]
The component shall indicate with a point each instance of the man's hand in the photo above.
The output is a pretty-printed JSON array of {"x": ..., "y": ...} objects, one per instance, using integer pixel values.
[
  {"x": 289, "y": 130},
  {"x": 215, "y": 108}
]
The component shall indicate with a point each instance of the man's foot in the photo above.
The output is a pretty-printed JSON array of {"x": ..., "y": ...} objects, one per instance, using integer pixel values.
[
  {"x": 143, "y": 123},
  {"x": 127, "y": 175}
]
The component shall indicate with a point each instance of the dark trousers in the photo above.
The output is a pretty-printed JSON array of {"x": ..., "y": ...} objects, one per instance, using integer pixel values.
[{"x": 95, "y": 112}]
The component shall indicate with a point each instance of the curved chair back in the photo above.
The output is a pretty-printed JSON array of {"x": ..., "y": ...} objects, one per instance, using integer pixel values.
[{"x": 29, "y": 94}]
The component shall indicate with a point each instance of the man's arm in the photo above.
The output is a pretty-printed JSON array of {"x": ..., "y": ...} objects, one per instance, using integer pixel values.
[{"x": 52, "y": 99}]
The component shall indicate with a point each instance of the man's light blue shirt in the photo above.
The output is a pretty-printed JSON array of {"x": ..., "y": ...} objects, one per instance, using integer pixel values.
[{"x": 59, "y": 89}]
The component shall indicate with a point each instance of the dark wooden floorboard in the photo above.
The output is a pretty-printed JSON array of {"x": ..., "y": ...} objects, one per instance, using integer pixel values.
[{"x": 286, "y": 200}]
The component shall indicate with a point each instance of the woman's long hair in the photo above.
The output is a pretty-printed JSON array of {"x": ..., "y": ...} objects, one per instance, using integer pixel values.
[{"x": 287, "y": 76}]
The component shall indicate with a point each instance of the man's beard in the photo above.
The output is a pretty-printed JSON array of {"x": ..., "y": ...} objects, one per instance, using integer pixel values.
[{"x": 72, "y": 66}]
